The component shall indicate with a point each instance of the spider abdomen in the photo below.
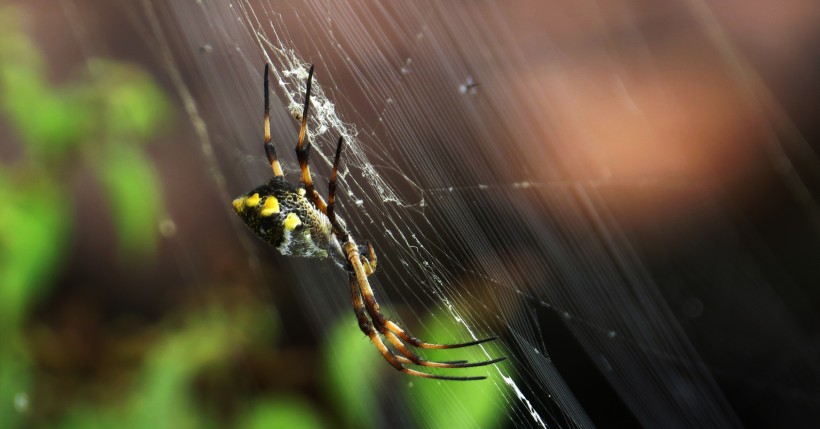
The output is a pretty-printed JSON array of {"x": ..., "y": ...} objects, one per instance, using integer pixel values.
[{"x": 279, "y": 213}]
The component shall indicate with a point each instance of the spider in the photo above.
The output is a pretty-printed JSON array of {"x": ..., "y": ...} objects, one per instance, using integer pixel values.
[{"x": 298, "y": 222}]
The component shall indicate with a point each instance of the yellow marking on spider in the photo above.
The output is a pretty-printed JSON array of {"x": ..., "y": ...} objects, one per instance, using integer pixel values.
[
  {"x": 252, "y": 201},
  {"x": 239, "y": 204},
  {"x": 292, "y": 221},
  {"x": 302, "y": 192},
  {"x": 270, "y": 206}
]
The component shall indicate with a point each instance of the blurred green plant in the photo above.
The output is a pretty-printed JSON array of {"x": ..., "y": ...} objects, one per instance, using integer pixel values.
[
  {"x": 469, "y": 404},
  {"x": 352, "y": 365},
  {"x": 162, "y": 398},
  {"x": 281, "y": 413},
  {"x": 101, "y": 121},
  {"x": 354, "y": 368}
]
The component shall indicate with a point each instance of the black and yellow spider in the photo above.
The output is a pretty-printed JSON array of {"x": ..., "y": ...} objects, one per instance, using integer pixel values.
[{"x": 298, "y": 222}]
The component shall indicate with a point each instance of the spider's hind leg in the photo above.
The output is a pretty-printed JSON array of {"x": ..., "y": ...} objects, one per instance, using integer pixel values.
[
  {"x": 411, "y": 357},
  {"x": 396, "y": 361},
  {"x": 355, "y": 260},
  {"x": 392, "y": 331},
  {"x": 404, "y": 335}
]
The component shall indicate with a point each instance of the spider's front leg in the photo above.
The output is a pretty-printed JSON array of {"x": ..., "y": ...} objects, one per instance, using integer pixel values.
[{"x": 303, "y": 147}]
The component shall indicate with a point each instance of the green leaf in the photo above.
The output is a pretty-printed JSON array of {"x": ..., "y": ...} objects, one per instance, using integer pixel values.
[
  {"x": 351, "y": 364},
  {"x": 34, "y": 219},
  {"x": 281, "y": 413},
  {"x": 133, "y": 106},
  {"x": 134, "y": 195},
  {"x": 163, "y": 397},
  {"x": 48, "y": 120},
  {"x": 15, "y": 382},
  {"x": 456, "y": 405}
]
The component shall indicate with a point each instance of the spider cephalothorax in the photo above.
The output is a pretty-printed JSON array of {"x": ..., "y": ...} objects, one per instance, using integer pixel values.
[{"x": 297, "y": 221}]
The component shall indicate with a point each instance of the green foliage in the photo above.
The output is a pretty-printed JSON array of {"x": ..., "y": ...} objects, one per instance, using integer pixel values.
[
  {"x": 351, "y": 361},
  {"x": 132, "y": 107},
  {"x": 353, "y": 365},
  {"x": 455, "y": 405},
  {"x": 99, "y": 121},
  {"x": 133, "y": 192},
  {"x": 162, "y": 398},
  {"x": 33, "y": 231},
  {"x": 33, "y": 228},
  {"x": 49, "y": 120},
  {"x": 281, "y": 413}
]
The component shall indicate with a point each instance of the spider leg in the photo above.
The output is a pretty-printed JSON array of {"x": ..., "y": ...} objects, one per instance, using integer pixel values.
[
  {"x": 303, "y": 146},
  {"x": 303, "y": 152},
  {"x": 270, "y": 150},
  {"x": 331, "y": 186},
  {"x": 319, "y": 202},
  {"x": 404, "y": 335},
  {"x": 369, "y": 262},
  {"x": 418, "y": 360},
  {"x": 367, "y": 327},
  {"x": 363, "y": 267},
  {"x": 372, "y": 306}
]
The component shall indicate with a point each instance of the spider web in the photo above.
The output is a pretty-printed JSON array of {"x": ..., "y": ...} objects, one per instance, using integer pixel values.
[{"x": 498, "y": 198}]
